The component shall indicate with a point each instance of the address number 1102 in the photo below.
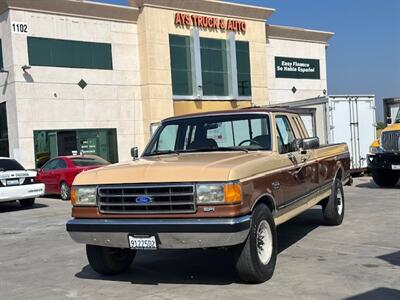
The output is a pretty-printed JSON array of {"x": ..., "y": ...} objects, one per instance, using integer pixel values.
[{"x": 18, "y": 27}]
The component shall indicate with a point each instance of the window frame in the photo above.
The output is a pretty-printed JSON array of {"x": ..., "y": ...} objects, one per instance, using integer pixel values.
[
  {"x": 233, "y": 93},
  {"x": 52, "y": 59},
  {"x": 278, "y": 134}
]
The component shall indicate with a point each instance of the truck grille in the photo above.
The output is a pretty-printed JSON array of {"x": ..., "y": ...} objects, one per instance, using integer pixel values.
[
  {"x": 160, "y": 199},
  {"x": 391, "y": 141}
]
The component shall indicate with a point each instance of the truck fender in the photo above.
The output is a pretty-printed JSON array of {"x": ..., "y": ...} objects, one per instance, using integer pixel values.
[{"x": 267, "y": 199}]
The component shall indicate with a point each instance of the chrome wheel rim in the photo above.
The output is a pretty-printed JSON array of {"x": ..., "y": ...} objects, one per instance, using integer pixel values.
[
  {"x": 264, "y": 242},
  {"x": 340, "y": 203},
  {"x": 64, "y": 191}
]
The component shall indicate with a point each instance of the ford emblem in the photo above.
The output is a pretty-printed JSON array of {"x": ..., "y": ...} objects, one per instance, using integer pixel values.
[{"x": 144, "y": 200}]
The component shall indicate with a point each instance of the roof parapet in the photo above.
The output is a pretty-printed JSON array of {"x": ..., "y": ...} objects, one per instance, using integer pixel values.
[
  {"x": 76, "y": 8},
  {"x": 299, "y": 34},
  {"x": 212, "y": 7}
]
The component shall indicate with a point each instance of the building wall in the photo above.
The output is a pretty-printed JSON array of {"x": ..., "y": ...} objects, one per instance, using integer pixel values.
[
  {"x": 50, "y": 98},
  {"x": 7, "y": 82},
  {"x": 154, "y": 27},
  {"x": 280, "y": 89}
]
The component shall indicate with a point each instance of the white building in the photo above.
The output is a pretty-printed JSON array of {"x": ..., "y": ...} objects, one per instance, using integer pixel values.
[{"x": 89, "y": 77}]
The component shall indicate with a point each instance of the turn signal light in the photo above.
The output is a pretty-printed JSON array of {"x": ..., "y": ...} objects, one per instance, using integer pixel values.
[
  {"x": 74, "y": 195},
  {"x": 233, "y": 193}
]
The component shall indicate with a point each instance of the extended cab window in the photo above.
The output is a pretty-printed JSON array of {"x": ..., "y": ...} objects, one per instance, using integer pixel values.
[
  {"x": 286, "y": 135},
  {"x": 213, "y": 133}
]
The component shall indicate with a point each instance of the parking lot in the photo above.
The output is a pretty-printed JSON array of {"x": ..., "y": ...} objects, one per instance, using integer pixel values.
[{"x": 358, "y": 260}]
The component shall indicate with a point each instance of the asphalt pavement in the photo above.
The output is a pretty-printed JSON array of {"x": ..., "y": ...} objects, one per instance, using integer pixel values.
[{"x": 358, "y": 260}]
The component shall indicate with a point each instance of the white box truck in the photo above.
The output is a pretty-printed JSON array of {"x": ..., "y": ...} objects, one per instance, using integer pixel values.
[{"x": 341, "y": 118}]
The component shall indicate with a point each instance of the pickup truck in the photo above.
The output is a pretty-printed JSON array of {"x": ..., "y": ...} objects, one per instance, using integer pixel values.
[
  {"x": 384, "y": 157},
  {"x": 222, "y": 179}
]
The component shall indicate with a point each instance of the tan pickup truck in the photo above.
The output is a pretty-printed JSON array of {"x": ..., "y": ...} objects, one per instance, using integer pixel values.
[{"x": 219, "y": 179}]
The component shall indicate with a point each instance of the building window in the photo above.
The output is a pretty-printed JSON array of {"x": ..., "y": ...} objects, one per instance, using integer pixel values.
[
  {"x": 181, "y": 65},
  {"x": 69, "y": 54},
  {"x": 209, "y": 69},
  {"x": 53, "y": 143},
  {"x": 4, "y": 149},
  {"x": 243, "y": 68},
  {"x": 214, "y": 67},
  {"x": 1, "y": 56}
]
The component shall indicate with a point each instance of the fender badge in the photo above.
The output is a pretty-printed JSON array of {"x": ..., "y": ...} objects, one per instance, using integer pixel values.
[
  {"x": 276, "y": 185},
  {"x": 209, "y": 209}
]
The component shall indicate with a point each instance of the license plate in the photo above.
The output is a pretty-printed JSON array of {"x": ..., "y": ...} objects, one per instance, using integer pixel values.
[
  {"x": 395, "y": 167},
  {"x": 12, "y": 182},
  {"x": 142, "y": 242}
]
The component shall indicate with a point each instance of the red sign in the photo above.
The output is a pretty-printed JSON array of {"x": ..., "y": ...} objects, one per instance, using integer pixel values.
[{"x": 210, "y": 22}]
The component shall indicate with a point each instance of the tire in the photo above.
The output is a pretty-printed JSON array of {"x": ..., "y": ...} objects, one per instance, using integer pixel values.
[
  {"x": 109, "y": 261},
  {"x": 385, "y": 178},
  {"x": 333, "y": 207},
  {"x": 251, "y": 266},
  {"x": 65, "y": 191},
  {"x": 27, "y": 202}
]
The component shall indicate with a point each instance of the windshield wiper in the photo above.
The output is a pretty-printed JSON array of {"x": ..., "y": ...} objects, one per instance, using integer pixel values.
[
  {"x": 217, "y": 149},
  {"x": 163, "y": 152},
  {"x": 233, "y": 149}
]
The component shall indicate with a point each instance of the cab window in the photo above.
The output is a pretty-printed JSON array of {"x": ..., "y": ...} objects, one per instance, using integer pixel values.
[{"x": 285, "y": 133}]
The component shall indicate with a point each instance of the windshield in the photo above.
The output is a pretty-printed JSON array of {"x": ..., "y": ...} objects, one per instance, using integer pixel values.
[
  {"x": 10, "y": 165},
  {"x": 397, "y": 120},
  {"x": 212, "y": 133},
  {"x": 88, "y": 161}
]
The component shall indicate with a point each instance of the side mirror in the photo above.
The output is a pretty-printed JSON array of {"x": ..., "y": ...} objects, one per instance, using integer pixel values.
[
  {"x": 310, "y": 143},
  {"x": 135, "y": 153},
  {"x": 297, "y": 145},
  {"x": 389, "y": 120}
]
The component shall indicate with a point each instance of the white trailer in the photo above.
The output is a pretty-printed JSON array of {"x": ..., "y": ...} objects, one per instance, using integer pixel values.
[
  {"x": 352, "y": 120},
  {"x": 341, "y": 118}
]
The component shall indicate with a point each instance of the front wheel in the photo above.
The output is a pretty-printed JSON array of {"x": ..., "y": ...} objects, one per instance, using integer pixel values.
[
  {"x": 109, "y": 261},
  {"x": 385, "y": 178},
  {"x": 256, "y": 258},
  {"x": 333, "y": 208},
  {"x": 27, "y": 202}
]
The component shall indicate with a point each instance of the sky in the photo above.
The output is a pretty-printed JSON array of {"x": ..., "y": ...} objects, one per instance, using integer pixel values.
[{"x": 363, "y": 57}]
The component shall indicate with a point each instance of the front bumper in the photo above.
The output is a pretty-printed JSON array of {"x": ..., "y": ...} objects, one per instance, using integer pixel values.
[
  {"x": 170, "y": 234},
  {"x": 383, "y": 160},
  {"x": 20, "y": 192}
]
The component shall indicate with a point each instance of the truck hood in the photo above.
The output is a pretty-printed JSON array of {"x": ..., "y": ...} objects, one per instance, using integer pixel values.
[
  {"x": 185, "y": 167},
  {"x": 393, "y": 127}
]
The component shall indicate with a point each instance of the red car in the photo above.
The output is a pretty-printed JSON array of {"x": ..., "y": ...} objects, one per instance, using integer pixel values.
[{"x": 59, "y": 173}]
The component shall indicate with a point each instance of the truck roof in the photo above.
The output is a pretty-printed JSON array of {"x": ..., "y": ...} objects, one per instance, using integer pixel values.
[{"x": 246, "y": 110}]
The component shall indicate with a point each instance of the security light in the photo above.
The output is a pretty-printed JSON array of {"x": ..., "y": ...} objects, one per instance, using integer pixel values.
[{"x": 25, "y": 67}]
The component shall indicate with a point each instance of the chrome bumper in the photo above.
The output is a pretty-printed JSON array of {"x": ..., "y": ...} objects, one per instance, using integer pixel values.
[{"x": 170, "y": 234}]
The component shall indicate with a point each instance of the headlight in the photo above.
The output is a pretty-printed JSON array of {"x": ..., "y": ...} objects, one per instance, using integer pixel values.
[
  {"x": 218, "y": 193},
  {"x": 375, "y": 150},
  {"x": 84, "y": 195}
]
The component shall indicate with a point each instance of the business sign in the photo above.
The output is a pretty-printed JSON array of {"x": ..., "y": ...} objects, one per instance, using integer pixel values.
[
  {"x": 297, "y": 68},
  {"x": 210, "y": 22}
]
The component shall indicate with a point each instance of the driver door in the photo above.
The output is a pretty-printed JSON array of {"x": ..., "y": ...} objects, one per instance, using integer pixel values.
[{"x": 294, "y": 181}]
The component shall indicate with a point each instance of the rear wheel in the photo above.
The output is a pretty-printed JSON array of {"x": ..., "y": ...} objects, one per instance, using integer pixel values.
[
  {"x": 385, "y": 178},
  {"x": 109, "y": 261},
  {"x": 65, "y": 191},
  {"x": 256, "y": 258},
  {"x": 27, "y": 202},
  {"x": 333, "y": 208}
]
